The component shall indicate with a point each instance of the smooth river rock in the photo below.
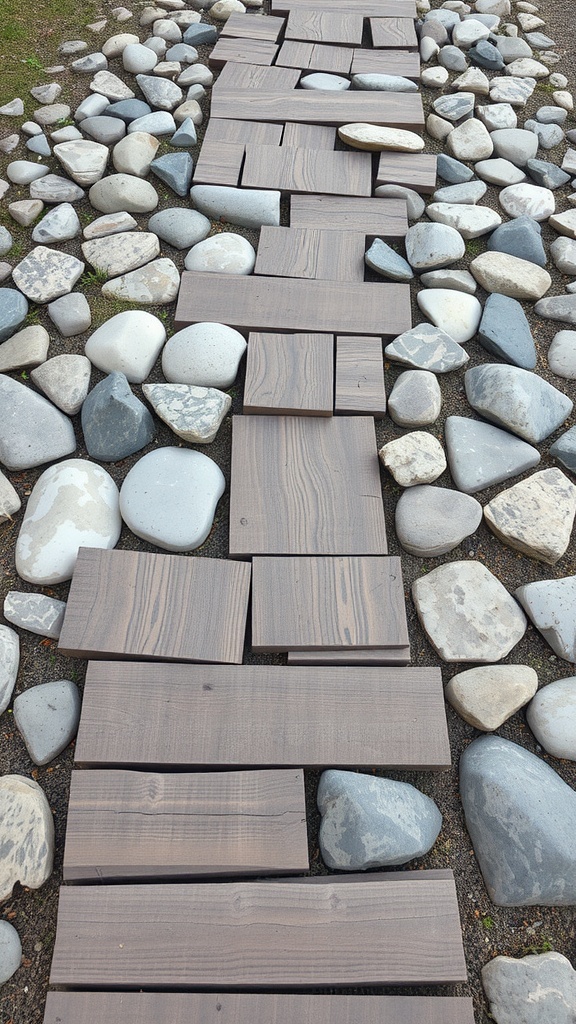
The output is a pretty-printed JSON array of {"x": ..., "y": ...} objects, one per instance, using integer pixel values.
[
  {"x": 552, "y": 718},
  {"x": 376, "y": 138},
  {"x": 26, "y": 834},
  {"x": 481, "y": 455},
  {"x": 204, "y": 354},
  {"x": 487, "y": 696},
  {"x": 550, "y": 605},
  {"x": 32, "y": 430},
  {"x": 9, "y": 662},
  {"x": 430, "y": 521},
  {"x": 516, "y": 399},
  {"x": 129, "y": 342},
  {"x": 250, "y": 208},
  {"x": 47, "y": 717},
  {"x": 537, "y": 988},
  {"x": 454, "y": 312}
]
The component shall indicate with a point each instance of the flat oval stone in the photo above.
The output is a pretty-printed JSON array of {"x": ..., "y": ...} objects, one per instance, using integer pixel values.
[
  {"x": 47, "y": 717},
  {"x": 24, "y": 350},
  {"x": 499, "y": 172},
  {"x": 487, "y": 696},
  {"x": 376, "y": 138},
  {"x": 524, "y": 200},
  {"x": 192, "y": 413},
  {"x": 129, "y": 342},
  {"x": 169, "y": 498},
  {"x": 118, "y": 254},
  {"x": 383, "y": 83},
  {"x": 123, "y": 192},
  {"x": 324, "y": 82},
  {"x": 250, "y": 208},
  {"x": 115, "y": 423},
  {"x": 516, "y": 399},
  {"x": 224, "y": 253},
  {"x": 467, "y": 192},
  {"x": 430, "y": 521},
  {"x": 22, "y": 172},
  {"x": 508, "y": 275},
  {"x": 32, "y": 430},
  {"x": 204, "y": 354},
  {"x": 9, "y": 662},
  {"x": 104, "y": 130},
  {"x": 470, "y": 221},
  {"x": 109, "y": 224},
  {"x": 455, "y": 312},
  {"x": 536, "y": 515},
  {"x": 27, "y": 851},
  {"x": 10, "y": 951},
  {"x": 180, "y": 227}
]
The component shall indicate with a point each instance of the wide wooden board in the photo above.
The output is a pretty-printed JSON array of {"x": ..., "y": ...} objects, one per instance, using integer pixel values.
[
  {"x": 264, "y": 935},
  {"x": 248, "y": 1008},
  {"x": 219, "y": 163},
  {"x": 387, "y": 62},
  {"x": 397, "y": 110},
  {"x": 290, "y": 374},
  {"x": 415, "y": 170},
  {"x": 136, "y": 714},
  {"x": 126, "y": 825},
  {"x": 344, "y": 27},
  {"x": 252, "y": 76},
  {"x": 327, "y": 603},
  {"x": 305, "y": 485},
  {"x": 310, "y": 136},
  {"x": 253, "y": 27},
  {"x": 144, "y": 605},
  {"x": 315, "y": 57},
  {"x": 229, "y": 131},
  {"x": 392, "y": 33},
  {"x": 379, "y": 656},
  {"x": 382, "y": 218},
  {"x": 311, "y": 253},
  {"x": 242, "y": 51},
  {"x": 307, "y": 170},
  {"x": 360, "y": 385},
  {"x": 258, "y": 303},
  {"x": 368, "y": 8}
]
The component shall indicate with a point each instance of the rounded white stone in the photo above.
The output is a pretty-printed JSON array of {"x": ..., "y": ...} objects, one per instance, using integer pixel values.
[
  {"x": 416, "y": 458},
  {"x": 376, "y": 138},
  {"x": 129, "y": 342},
  {"x": 562, "y": 354},
  {"x": 123, "y": 193},
  {"x": 453, "y": 311},
  {"x": 205, "y": 354},
  {"x": 322, "y": 81},
  {"x": 225, "y": 253},
  {"x": 552, "y": 718},
  {"x": 525, "y": 200},
  {"x": 222, "y": 9}
]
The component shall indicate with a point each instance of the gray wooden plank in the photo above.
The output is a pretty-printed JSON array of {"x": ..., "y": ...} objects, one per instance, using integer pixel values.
[
  {"x": 387, "y": 62},
  {"x": 378, "y": 656},
  {"x": 359, "y": 387},
  {"x": 344, "y": 27},
  {"x": 393, "y": 33},
  {"x": 252, "y": 76},
  {"x": 311, "y": 253},
  {"x": 253, "y": 27},
  {"x": 307, "y": 170},
  {"x": 290, "y": 374},
  {"x": 219, "y": 163},
  {"x": 315, "y": 57},
  {"x": 310, "y": 136},
  {"x": 368, "y": 8},
  {"x": 229, "y": 131},
  {"x": 375, "y": 218},
  {"x": 415, "y": 170},
  {"x": 397, "y": 110},
  {"x": 243, "y": 51}
]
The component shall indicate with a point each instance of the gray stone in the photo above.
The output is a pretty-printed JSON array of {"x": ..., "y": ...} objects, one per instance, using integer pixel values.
[
  {"x": 558, "y": 307},
  {"x": 45, "y": 274},
  {"x": 10, "y": 951},
  {"x": 114, "y": 422},
  {"x": 118, "y": 254},
  {"x": 369, "y": 822},
  {"x": 224, "y": 253},
  {"x": 456, "y": 280},
  {"x": 155, "y": 284},
  {"x": 562, "y": 353},
  {"x": 26, "y": 833},
  {"x": 115, "y": 45},
  {"x": 60, "y": 224},
  {"x": 325, "y": 82},
  {"x": 549, "y": 135},
  {"x": 526, "y": 200},
  {"x": 537, "y": 988},
  {"x": 55, "y": 189},
  {"x": 467, "y": 193},
  {"x": 13, "y": 312},
  {"x": 470, "y": 141},
  {"x": 438, "y": 128},
  {"x": 481, "y": 455},
  {"x": 185, "y": 135},
  {"x": 508, "y": 275},
  {"x": 546, "y": 174},
  {"x": 415, "y": 204},
  {"x": 160, "y": 93},
  {"x": 429, "y": 246},
  {"x": 486, "y": 55},
  {"x": 426, "y": 347},
  {"x": 123, "y": 193},
  {"x": 94, "y": 105},
  {"x": 175, "y": 170},
  {"x": 536, "y": 515},
  {"x": 539, "y": 41},
  {"x": 15, "y": 108},
  {"x": 24, "y": 350},
  {"x": 453, "y": 107},
  {"x": 70, "y": 314},
  {"x": 512, "y": 48},
  {"x": 128, "y": 110},
  {"x": 89, "y": 64},
  {"x": 552, "y": 718},
  {"x": 52, "y": 114},
  {"x": 6, "y": 241},
  {"x": 9, "y": 501},
  {"x": 200, "y": 34},
  {"x": 104, "y": 130},
  {"x": 9, "y": 662},
  {"x": 433, "y": 78},
  {"x": 415, "y": 399},
  {"x": 564, "y": 449},
  {"x": 521, "y": 817},
  {"x": 250, "y": 208},
  {"x": 197, "y": 74},
  {"x": 551, "y": 115},
  {"x": 504, "y": 331},
  {"x": 516, "y": 399},
  {"x": 26, "y": 211},
  {"x": 430, "y": 521},
  {"x": 129, "y": 343},
  {"x": 452, "y": 58},
  {"x": 489, "y": 695},
  {"x": 550, "y": 606},
  {"x": 47, "y": 717},
  {"x": 456, "y": 313},
  {"x": 84, "y": 161},
  {"x": 134, "y": 154},
  {"x": 35, "y": 613},
  {"x": 515, "y": 144},
  {"x": 138, "y": 59},
  {"x": 521, "y": 237},
  {"x": 180, "y": 227},
  {"x": 415, "y": 458},
  {"x": 204, "y": 354},
  {"x": 499, "y": 172},
  {"x": 468, "y": 33},
  {"x": 110, "y": 86},
  {"x": 564, "y": 223},
  {"x": 467, "y": 614},
  {"x": 381, "y": 258},
  {"x": 32, "y": 431},
  {"x": 9, "y": 142},
  {"x": 452, "y": 170},
  {"x": 469, "y": 221},
  {"x": 498, "y": 115},
  {"x": 383, "y": 83},
  {"x": 64, "y": 380},
  {"x": 192, "y": 413},
  {"x": 158, "y": 123},
  {"x": 22, "y": 172},
  {"x": 516, "y": 91}
]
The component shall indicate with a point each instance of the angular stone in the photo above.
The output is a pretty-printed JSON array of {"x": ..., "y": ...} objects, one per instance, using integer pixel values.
[
  {"x": 55, "y": 189},
  {"x": 427, "y": 348},
  {"x": 562, "y": 355},
  {"x": 128, "y": 110},
  {"x": 453, "y": 107},
  {"x": 546, "y": 174},
  {"x": 470, "y": 221},
  {"x": 564, "y": 449},
  {"x": 70, "y": 314},
  {"x": 564, "y": 223},
  {"x": 433, "y": 245},
  {"x": 186, "y": 134},
  {"x": 111, "y": 86},
  {"x": 10, "y": 951},
  {"x": 558, "y": 307},
  {"x": 513, "y": 48},
  {"x": 470, "y": 141},
  {"x": 504, "y": 331},
  {"x": 129, "y": 343},
  {"x": 196, "y": 35},
  {"x": 384, "y": 260},
  {"x": 35, "y": 613},
  {"x": 508, "y": 275},
  {"x": 224, "y": 253},
  {"x": 109, "y": 224},
  {"x": 430, "y": 521},
  {"x": 525, "y": 200},
  {"x": 190, "y": 110},
  {"x": 13, "y": 312},
  {"x": 9, "y": 662},
  {"x": 104, "y": 130},
  {"x": 180, "y": 227},
  {"x": 155, "y": 284},
  {"x": 438, "y": 128},
  {"x": 415, "y": 458},
  {"x": 498, "y": 115},
  {"x": 160, "y": 93},
  {"x": 415, "y": 399},
  {"x": 25, "y": 211},
  {"x": 467, "y": 614},
  {"x": 114, "y": 422},
  {"x": 550, "y": 606},
  {"x": 527, "y": 67},
  {"x": 60, "y": 224},
  {"x": 515, "y": 144},
  {"x": 64, "y": 380},
  {"x": 47, "y": 717},
  {"x": 175, "y": 170},
  {"x": 92, "y": 106},
  {"x": 433, "y": 78},
  {"x": 480, "y": 455},
  {"x": 488, "y": 696},
  {"x": 158, "y": 123},
  {"x": 198, "y": 74},
  {"x": 39, "y": 144},
  {"x": 204, "y": 354},
  {"x": 452, "y": 170},
  {"x": 123, "y": 193},
  {"x": 549, "y": 136},
  {"x": 516, "y": 399},
  {"x": 452, "y": 58},
  {"x": 536, "y": 515},
  {"x": 26, "y": 833},
  {"x": 516, "y": 91},
  {"x": 9, "y": 501},
  {"x": 499, "y": 172},
  {"x": 222, "y": 9},
  {"x": 454, "y": 312},
  {"x": 24, "y": 350},
  {"x": 45, "y": 274},
  {"x": 89, "y": 64},
  {"x": 250, "y": 208},
  {"x": 192, "y": 413},
  {"x": 533, "y": 989},
  {"x": 52, "y": 113},
  {"x": 521, "y": 237},
  {"x": 84, "y": 161},
  {"x": 134, "y": 154},
  {"x": 32, "y": 431},
  {"x": 118, "y": 254},
  {"x": 467, "y": 193},
  {"x": 456, "y": 280}
]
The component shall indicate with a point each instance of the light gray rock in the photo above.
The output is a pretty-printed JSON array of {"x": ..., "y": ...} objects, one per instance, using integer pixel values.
[
  {"x": 536, "y": 515},
  {"x": 14, "y": 108},
  {"x": 454, "y": 106},
  {"x": 129, "y": 342},
  {"x": 549, "y": 136},
  {"x": 564, "y": 449},
  {"x": 9, "y": 501},
  {"x": 467, "y": 193},
  {"x": 36, "y": 613},
  {"x": 13, "y": 312},
  {"x": 454, "y": 312},
  {"x": 6, "y": 241},
  {"x": 10, "y": 951},
  {"x": 104, "y": 130},
  {"x": 111, "y": 86},
  {"x": 433, "y": 78},
  {"x": 563, "y": 252},
  {"x": 525, "y": 200},
  {"x": 430, "y": 521},
  {"x": 470, "y": 141},
  {"x": 467, "y": 614},
  {"x": 186, "y": 135},
  {"x": 498, "y": 115},
  {"x": 487, "y": 696},
  {"x": 370, "y": 822},
  {"x": 123, "y": 192},
  {"x": 138, "y": 59},
  {"x": 134, "y": 154},
  {"x": 552, "y": 718},
  {"x": 550, "y": 606},
  {"x": 521, "y": 817},
  {"x": 469, "y": 221},
  {"x": 25, "y": 349},
  {"x": 414, "y": 202},
  {"x": 115, "y": 423},
  {"x": 9, "y": 662},
  {"x": 415, "y": 399},
  {"x": 89, "y": 64},
  {"x": 515, "y": 144},
  {"x": 27, "y": 833},
  {"x": 160, "y": 93},
  {"x": 452, "y": 58},
  {"x": 25, "y": 211},
  {"x": 516, "y": 399},
  {"x": 32, "y": 431},
  {"x": 84, "y": 161},
  {"x": 481, "y": 455},
  {"x": 155, "y": 284},
  {"x": 92, "y": 106},
  {"x": 536, "y": 988},
  {"x": 60, "y": 224},
  {"x": 45, "y": 274},
  {"x": 455, "y": 280},
  {"x": 250, "y": 208},
  {"x": 325, "y": 82},
  {"x": 383, "y": 83},
  {"x": 426, "y": 347},
  {"x": 55, "y": 189},
  {"x": 499, "y": 172},
  {"x": 64, "y": 380},
  {"x": 384, "y": 260},
  {"x": 109, "y": 224},
  {"x": 509, "y": 275},
  {"x": 115, "y": 45},
  {"x": 180, "y": 227},
  {"x": 70, "y": 314},
  {"x": 22, "y": 172},
  {"x": 562, "y": 354},
  {"x": 224, "y": 253},
  {"x": 414, "y": 458},
  {"x": 557, "y": 307},
  {"x": 192, "y": 413},
  {"x": 204, "y": 354},
  {"x": 118, "y": 254},
  {"x": 516, "y": 91},
  {"x": 158, "y": 123},
  {"x": 429, "y": 246},
  {"x": 47, "y": 717}
]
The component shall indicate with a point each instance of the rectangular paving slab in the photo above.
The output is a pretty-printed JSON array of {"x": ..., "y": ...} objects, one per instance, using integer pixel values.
[
  {"x": 360, "y": 377},
  {"x": 397, "y": 110},
  {"x": 382, "y": 218},
  {"x": 290, "y": 374},
  {"x": 311, "y": 253},
  {"x": 307, "y": 170}
]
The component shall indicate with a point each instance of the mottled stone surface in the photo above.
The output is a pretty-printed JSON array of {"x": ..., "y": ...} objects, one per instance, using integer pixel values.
[
  {"x": 428, "y": 348},
  {"x": 552, "y": 718},
  {"x": 26, "y": 833},
  {"x": 540, "y": 987},
  {"x": 415, "y": 399},
  {"x": 224, "y": 253},
  {"x": 9, "y": 662},
  {"x": 415, "y": 458},
  {"x": 119, "y": 254},
  {"x": 37, "y": 613},
  {"x": 157, "y": 283},
  {"x": 47, "y": 717},
  {"x": 45, "y": 274},
  {"x": 509, "y": 275},
  {"x": 430, "y": 521},
  {"x": 24, "y": 350},
  {"x": 536, "y": 515},
  {"x": 550, "y": 605},
  {"x": 193, "y": 413},
  {"x": 488, "y": 695}
]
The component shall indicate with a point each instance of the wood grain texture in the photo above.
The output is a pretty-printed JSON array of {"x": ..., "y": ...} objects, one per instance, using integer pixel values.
[
  {"x": 219, "y": 163},
  {"x": 315, "y": 57},
  {"x": 360, "y": 385},
  {"x": 368, "y": 8},
  {"x": 258, "y": 303},
  {"x": 387, "y": 62},
  {"x": 310, "y": 136},
  {"x": 252, "y": 76},
  {"x": 136, "y": 825},
  {"x": 131, "y": 603},
  {"x": 305, "y": 485},
  {"x": 393, "y": 33},
  {"x": 379, "y": 656},
  {"x": 253, "y": 27},
  {"x": 307, "y": 170},
  {"x": 242, "y": 51},
  {"x": 372, "y": 217},
  {"x": 264, "y": 935},
  {"x": 290, "y": 374},
  {"x": 311, "y": 253},
  {"x": 398, "y": 110},
  {"x": 327, "y": 603},
  {"x": 415, "y": 170},
  {"x": 229, "y": 131},
  {"x": 344, "y": 27},
  {"x": 249, "y": 1008},
  {"x": 157, "y": 716}
]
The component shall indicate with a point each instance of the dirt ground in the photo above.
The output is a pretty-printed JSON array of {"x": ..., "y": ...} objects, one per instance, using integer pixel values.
[{"x": 487, "y": 930}]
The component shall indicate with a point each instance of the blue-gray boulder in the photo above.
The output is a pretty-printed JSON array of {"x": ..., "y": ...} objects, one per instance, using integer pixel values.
[
  {"x": 175, "y": 170},
  {"x": 504, "y": 331},
  {"x": 521, "y": 237},
  {"x": 115, "y": 423},
  {"x": 13, "y": 311},
  {"x": 516, "y": 399}
]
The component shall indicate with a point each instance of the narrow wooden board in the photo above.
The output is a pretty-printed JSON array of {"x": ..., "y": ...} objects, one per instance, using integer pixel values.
[
  {"x": 265, "y": 935},
  {"x": 257, "y": 303},
  {"x": 397, "y": 110},
  {"x": 360, "y": 388},
  {"x": 252, "y": 76},
  {"x": 253, "y": 27},
  {"x": 311, "y": 253},
  {"x": 290, "y": 493},
  {"x": 368, "y": 8},
  {"x": 229, "y": 131},
  {"x": 307, "y": 170},
  {"x": 344, "y": 27},
  {"x": 375, "y": 218},
  {"x": 244, "y": 1008},
  {"x": 219, "y": 163},
  {"x": 310, "y": 136},
  {"x": 290, "y": 374},
  {"x": 415, "y": 170},
  {"x": 382, "y": 656},
  {"x": 162, "y": 716},
  {"x": 315, "y": 57},
  {"x": 393, "y": 33},
  {"x": 132, "y": 603},
  {"x": 135, "y": 825},
  {"x": 387, "y": 62},
  {"x": 327, "y": 603},
  {"x": 242, "y": 51}
]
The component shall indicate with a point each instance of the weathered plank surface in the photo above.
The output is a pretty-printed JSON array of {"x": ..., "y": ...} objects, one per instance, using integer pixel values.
[
  {"x": 315, "y": 57},
  {"x": 242, "y": 51},
  {"x": 258, "y": 303},
  {"x": 219, "y": 163},
  {"x": 173, "y": 715},
  {"x": 312, "y": 253},
  {"x": 290, "y": 374},
  {"x": 310, "y": 136},
  {"x": 393, "y": 33},
  {"x": 138, "y": 825},
  {"x": 262, "y": 1008},
  {"x": 259, "y": 103},
  {"x": 415, "y": 170},
  {"x": 253, "y": 27},
  {"x": 378, "y": 656},
  {"x": 264, "y": 935},
  {"x": 368, "y": 8},
  {"x": 229, "y": 131},
  {"x": 323, "y": 603},
  {"x": 360, "y": 385},
  {"x": 135, "y": 604},
  {"x": 373, "y": 217},
  {"x": 387, "y": 62},
  {"x": 289, "y": 494},
  {"x": 307, "y": 170},
  {"x": 344, "y": 27},
  {"x": 252, "y": 76}
]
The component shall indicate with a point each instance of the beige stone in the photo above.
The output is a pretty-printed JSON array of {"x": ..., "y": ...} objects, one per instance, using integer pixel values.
[
  {"x": 416, "y": 458},
  {"x": 24, "y": 350},
  {"x": 487, "y": 696},
  {"x": 375, "y": 138},
  {"x": 536, "y": 515},
  {"x": 509, "y": 275}
]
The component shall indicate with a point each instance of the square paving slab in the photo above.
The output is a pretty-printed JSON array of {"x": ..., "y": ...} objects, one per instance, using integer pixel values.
[{"x": 290, "y": 374}]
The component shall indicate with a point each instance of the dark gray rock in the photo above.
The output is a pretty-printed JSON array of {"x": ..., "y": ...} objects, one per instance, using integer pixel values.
[
  {"x": 558, "y": 307},
  {"x": 504, "y": 331},
  {"x": 480, "y": 455},
  {"x": 115, "y": 423},
  {"x": 128, "y": 110},
  {"x": 452, "y": 170},
  {"x": 175, "y": 170},
  {"x": 516, "y": 399},
  {"x": 13, "y": 312},
  {"x": 547, "y": 174},
  {"x": 47, "y": 718},
  {"x": 521, "y": 817},
  {"x": 537, "y": 988},
  {"x": 486, "y": 55},
  {"x": 200, "y": 34},
  {"x": 521, "y": 237},
  {"x": 564, "y": 449}
]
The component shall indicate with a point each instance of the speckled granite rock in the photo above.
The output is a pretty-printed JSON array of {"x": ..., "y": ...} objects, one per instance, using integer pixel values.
[{"x": 26, "y": 834}]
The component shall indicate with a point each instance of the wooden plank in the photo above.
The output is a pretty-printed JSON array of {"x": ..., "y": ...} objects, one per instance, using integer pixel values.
[
  {"x": 375, "y": 218},
  {"x": 387, "y": 62},
  {"x": 307, "y": 170},
  {"x": 415, "y": 170},
  {"x": 132, "y": 603},
  {"x": 398, "y": 110},
  {"x": 290, "y": 374},
  {"x": 242, "y": 51},
  {"x": 253, "y": 27},
  {"x": 136, "y": 714},
  {"x": 310, "y": 136},
  {"x": 393, "y": 33},
  {"x": 289, "y": 494},
  {"x": 252, "y": 76},
  {"x": 360, "y": 388},
  {"x": 265, "y": 935},
  {"x": 257, "y": 303},
  {"x": 228, "y": 130},
  {"x": 382, "y": 656},
  {"x": 368, "y": 8},
  {"x": 137, "y": 825},
  {"x": 219, "y": 163},
  {"x": 248, "y": 1008},
  {"x": 315, "y": 57},
  {"x": 327, "y": 603},
  {"x": 344, "y": 27},
  {"x": 311, "y": 253}
]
